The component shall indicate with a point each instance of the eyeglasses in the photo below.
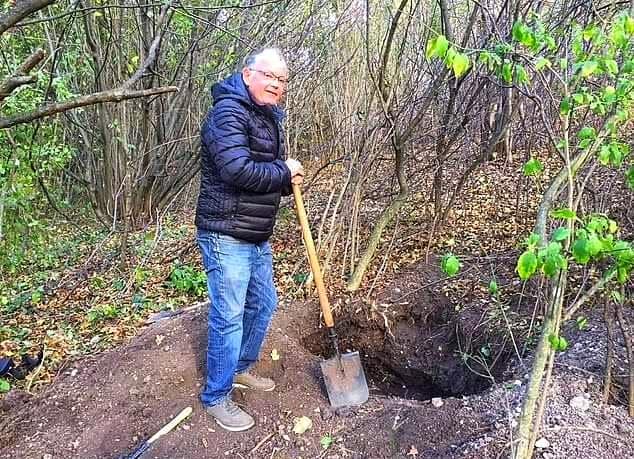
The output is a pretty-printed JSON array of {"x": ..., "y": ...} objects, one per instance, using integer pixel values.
[{"x": 271, "y": 77}]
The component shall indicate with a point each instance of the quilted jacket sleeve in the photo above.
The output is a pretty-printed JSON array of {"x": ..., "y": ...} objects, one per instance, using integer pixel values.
[{"x": 229, "y": 131}]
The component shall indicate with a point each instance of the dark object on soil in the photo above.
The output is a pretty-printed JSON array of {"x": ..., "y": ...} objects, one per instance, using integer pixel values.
[
  {"x": 164, "y": 430},
  {"x": 5, "y": 365},
  {"x": 343, "y": 374},
  {"x": 8, "y": 367}
]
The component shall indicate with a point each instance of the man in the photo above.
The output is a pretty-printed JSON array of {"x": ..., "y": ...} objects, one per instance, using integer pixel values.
[{"x": 244, "y": 173}]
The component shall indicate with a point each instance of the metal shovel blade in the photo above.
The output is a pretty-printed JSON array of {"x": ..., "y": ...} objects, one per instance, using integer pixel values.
[{"x": 345, "y": 380}]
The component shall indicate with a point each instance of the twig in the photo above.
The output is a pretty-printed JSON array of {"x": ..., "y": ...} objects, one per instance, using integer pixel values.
[
  {"x": 589, "y": 294},
  {"x": 261, "y": 442},
  {"x": 438, "y": 281},
  {"x": 37, "y": 370}
]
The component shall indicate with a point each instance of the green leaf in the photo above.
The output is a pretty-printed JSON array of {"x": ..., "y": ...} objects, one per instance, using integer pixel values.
[
  {"x": 326, "y": 441},
  {"x": 558, "y": 343},
  {"x": 611, "y": 66},
  {"x": 526, "y": 265},
  {"x": 429, "y": 48},
  {"x": 565, "y": 106},
  {"x": 563, "y": 343},
  {"x": 4, "y": 386},
  {"x": 617, "y": 297},
  {"x": 612, "y": 226},
  {"x": 522, "y": 76},
  {"x": 507, "y": 72},
  {"x": 594, "y": 245},
  {"x": 300, "y": 278},
  {"x": 629, "y": 24},
  {"x": 460, "y": 64},
  {"x": 533, "y": 167},
  {"x": 450, "y": 265},
  {"x": 519, "y": 31},
  {"x": 565, "y": 214},
  {"x": 587, "y": 132},
  {"x": 441, "y": 46},
  {"x": 561, "y": 234},
  {"x": 588, "y": 68},
  {"x": 618, "y": 35},
  {"x": 590, "y": 33},
  {"x": 532, "y": 241},
  {"x": 542, "y": 63},
  {"x": 550, "y": 266},
  {"x": 582, "y": 323},
  {"x": 580, "y": 251},
  {"x": 493, "y": 287},
  {"x": 449, "y": 56},
  {"x": 621, "y": 275},
  {"x": 585, "y": 143},
  {"x": 437, "y": 47}
]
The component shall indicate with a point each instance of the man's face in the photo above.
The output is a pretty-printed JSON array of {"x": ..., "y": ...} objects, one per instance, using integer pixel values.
[{"x": 266, "y": 80}]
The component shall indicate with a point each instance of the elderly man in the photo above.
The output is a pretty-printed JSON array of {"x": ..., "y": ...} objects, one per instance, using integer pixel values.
[{"x": 244, "y": 173}]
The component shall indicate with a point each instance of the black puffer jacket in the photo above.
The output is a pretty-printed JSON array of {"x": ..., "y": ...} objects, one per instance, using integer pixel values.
[{"x": 243, "y": 172}]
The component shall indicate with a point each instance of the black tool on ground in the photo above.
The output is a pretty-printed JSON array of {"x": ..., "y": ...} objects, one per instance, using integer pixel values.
[
  {"x": 9, "y": 368},
  {"x": 166, "y": 429},
  {"x": 343, "y": 374}
]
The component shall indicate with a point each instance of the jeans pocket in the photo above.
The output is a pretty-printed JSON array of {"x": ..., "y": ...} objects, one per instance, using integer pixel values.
[{"x": 226, "y": 239}]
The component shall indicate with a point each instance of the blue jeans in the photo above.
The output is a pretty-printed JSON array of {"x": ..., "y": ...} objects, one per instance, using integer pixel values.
[{"x": 243, "y": 298}]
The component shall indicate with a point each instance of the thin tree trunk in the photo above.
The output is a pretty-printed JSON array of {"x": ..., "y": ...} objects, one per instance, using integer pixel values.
[{"x": 608, "y": 316}]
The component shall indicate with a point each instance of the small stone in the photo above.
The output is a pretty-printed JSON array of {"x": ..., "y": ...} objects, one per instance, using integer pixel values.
[
  {"x": 326, "y": 413},
  {"x": 580, "y": 403},
  {"x": 47, "y": 456},
  {"x": 134, "y": 391},
  {"x": 548, "y": 456},
  {"x": 437, "y": 402},
  {"x": 74, "y": 372},
  {"x": 344, "y": 412},
  {"x": 542, "y": 443}
]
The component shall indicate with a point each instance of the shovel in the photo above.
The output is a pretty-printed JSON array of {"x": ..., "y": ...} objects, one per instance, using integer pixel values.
[{"x": 343, "y": 373}]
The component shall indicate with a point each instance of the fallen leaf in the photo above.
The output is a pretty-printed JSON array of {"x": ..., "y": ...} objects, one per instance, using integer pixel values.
[
  {"x": 301, "y": 425},
  {"x": 412, "y": 451},
  {"x": 159, "y": 339},
  {"x": 275, "y": 355}
]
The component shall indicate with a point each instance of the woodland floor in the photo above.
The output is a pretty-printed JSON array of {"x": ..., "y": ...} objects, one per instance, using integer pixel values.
[{"x": 111, "y": 382}]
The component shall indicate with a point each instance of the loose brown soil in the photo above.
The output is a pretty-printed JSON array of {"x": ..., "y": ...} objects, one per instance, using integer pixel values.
[{"x": 101, "y": 407}]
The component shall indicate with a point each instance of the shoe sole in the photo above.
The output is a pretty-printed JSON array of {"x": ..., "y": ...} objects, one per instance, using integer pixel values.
[
  {"x": 234, "y": 428},
  {"x": 244, "y": 386}
]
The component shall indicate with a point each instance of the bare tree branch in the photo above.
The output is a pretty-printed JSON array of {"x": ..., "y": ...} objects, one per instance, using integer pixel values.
[
  {"x": 21, "y": 10},
  {"x": 114, "y": 95},
  {"x": 21, "y": 77}
]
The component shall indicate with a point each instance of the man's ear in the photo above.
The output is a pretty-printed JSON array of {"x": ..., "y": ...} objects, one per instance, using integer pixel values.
[{"x": 246, "y": 75}]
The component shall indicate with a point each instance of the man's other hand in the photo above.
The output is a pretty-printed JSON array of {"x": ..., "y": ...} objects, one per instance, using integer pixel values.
[
  {"x": 297, "y": 179},
  {"x": 295, "y": 167}
]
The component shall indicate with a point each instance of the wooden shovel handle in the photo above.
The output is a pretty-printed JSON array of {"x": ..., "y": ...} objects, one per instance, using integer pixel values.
[{"x": 312, "y": 256}]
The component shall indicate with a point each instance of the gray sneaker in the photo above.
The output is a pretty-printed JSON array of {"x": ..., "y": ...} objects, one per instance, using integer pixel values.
[
  {"x": 230, "y": 416},
  {"x": 250, "y": 381}
]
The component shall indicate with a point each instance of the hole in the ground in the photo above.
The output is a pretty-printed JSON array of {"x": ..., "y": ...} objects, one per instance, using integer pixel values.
[{"x": 400, "y": 375}]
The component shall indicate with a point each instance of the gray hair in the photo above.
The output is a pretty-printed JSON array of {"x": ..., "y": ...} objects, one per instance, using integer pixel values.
[{"x": 273, "y": 52}]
